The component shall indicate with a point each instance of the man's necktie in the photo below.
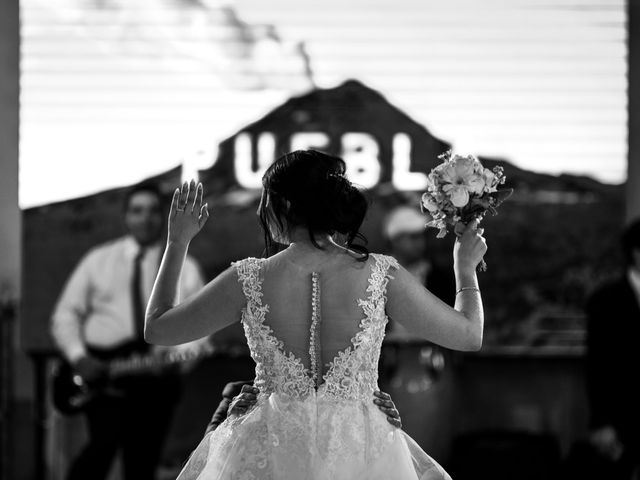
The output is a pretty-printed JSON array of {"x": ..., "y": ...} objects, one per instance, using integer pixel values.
[{"x": 138, "y": 304}]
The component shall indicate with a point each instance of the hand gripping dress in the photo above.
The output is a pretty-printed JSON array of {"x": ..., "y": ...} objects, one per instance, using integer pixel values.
[{"x": 305, "y": 425}]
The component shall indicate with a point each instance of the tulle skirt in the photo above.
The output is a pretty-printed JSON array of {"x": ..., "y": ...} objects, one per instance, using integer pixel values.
[{"x": 311, "y": 439}]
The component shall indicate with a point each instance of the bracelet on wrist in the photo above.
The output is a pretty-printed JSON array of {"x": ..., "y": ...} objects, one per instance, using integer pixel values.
[{"x": 467, "y": 288}]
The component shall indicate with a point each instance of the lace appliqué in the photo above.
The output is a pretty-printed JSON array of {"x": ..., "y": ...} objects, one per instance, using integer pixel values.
[
  {"x": 353, "y": 373},
  {"x": 276, "y": 369}
]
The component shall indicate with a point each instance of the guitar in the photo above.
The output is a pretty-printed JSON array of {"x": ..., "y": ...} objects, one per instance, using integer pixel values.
[{"x": 71, "y": 394}]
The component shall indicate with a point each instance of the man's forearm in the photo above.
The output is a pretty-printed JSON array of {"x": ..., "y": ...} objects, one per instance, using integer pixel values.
[
  {"x": 66, "y": 333},
  {"x": 71, "y": 312}
]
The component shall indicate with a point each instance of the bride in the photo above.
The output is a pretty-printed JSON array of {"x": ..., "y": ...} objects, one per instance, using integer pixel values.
[{"x": 314, "y": 315}]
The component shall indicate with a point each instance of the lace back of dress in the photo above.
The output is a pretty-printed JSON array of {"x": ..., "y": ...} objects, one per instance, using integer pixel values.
[{"x": 351, "y": 372}]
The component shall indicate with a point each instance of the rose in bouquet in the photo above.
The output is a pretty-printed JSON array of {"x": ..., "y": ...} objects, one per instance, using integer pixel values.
[{"x": 460, "y": 190}]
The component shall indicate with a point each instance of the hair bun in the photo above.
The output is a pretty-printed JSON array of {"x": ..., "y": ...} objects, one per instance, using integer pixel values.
[
  {"x": 320, "y": 196},
  {"x": 346, "y": 204}
]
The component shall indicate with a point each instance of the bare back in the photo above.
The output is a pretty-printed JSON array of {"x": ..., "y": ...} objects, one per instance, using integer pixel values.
[{"x": 315, "y": 312}]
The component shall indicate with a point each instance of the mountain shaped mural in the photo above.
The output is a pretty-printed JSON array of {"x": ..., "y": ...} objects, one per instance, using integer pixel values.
[{"x": 553, "y": 240}]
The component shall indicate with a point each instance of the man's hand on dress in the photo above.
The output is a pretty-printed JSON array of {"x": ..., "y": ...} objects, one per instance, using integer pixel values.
[
  {"x": 384, "y": 403},
  {"x": 247, "y": 398}
]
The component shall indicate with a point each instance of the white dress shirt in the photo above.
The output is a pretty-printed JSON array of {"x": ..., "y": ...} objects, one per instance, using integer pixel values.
[{"x": 95, "y": 307}]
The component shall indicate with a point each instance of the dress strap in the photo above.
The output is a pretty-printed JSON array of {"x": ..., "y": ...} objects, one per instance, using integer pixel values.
[
  {"x": 248, "y": 270},
  {"x": 380, "y": 276}
]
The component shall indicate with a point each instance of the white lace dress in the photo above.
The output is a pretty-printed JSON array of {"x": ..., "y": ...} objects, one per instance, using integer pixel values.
[{"x": 303, "y": 427}]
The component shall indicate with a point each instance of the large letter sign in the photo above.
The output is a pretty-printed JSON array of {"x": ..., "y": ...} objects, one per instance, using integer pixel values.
[
  {"x": 360, "y": 152},
  {"x": 246, "y": 176},
  {"x": 402, "y": 178},
  {"x": 307, "y": 140}
]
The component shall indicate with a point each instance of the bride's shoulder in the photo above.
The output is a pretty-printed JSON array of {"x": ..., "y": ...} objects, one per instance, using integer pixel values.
[
  {"x": 247, "y": 261},
  {"x": 385, "y": 260},
  {"x": 245, "y": 268}
]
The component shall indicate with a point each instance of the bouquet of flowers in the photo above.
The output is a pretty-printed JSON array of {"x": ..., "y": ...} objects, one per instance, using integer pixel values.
[{"x": 460, "y": 190}]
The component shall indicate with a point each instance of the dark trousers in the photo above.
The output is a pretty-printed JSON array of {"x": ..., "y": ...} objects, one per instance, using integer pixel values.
[{"x": 134, "y": 423}]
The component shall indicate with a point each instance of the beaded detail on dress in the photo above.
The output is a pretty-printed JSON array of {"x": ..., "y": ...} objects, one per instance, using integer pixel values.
[
  {"x": 352, "y": 374},
  {"x": 314, "y": 331}
]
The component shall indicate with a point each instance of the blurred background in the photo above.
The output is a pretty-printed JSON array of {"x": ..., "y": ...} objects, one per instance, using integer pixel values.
[{"x": 99, "y": 95}]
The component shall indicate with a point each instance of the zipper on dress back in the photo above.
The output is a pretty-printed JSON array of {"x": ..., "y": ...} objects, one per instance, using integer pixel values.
[{"x": 314, "y": 334}]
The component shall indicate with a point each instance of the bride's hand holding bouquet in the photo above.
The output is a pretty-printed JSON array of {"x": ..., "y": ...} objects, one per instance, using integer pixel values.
[
  {"x": 461, "y": 191},
  {"x": 469, "y": 248}
]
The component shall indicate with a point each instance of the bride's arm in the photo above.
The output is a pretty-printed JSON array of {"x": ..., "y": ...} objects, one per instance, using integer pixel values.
[
  {"x": 214, "y": 307},
  {"x": 423, "y": 314}
]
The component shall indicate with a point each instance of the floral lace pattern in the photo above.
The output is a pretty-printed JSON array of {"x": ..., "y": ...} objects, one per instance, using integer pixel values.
[
  {"x": 352, "y": 374},
  {"x": 276, "y": 370},
  {"x": 294, "y": 438},
  {"x": 336, "y": 434}
]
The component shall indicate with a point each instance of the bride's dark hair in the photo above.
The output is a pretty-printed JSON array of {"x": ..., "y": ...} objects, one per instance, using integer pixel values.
[{"x": 321, "y": 199}]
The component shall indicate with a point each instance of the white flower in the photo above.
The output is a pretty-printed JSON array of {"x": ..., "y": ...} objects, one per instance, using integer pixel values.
[
  {"x": 490, "y": 180},
  {"x": 432, "y": 185},
  {"x": 458, "y": 170},
  {"x": 429, "y": 203},
  {"x": 461, "y": 179},
  {"x": 476, "y": 184},
  {"x": 458, "y": 193}
]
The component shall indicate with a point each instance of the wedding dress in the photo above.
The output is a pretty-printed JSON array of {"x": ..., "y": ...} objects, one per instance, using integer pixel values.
[{"x": 306, "y": 424}]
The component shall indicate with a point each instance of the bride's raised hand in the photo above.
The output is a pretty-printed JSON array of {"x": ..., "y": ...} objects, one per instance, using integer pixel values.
[
  {"x": 187, "y": 215},
  {"x": 469, "y": 248}
]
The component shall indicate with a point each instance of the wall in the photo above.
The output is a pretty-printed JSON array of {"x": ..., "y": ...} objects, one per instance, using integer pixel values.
[
  {"x": 633, "y": 182},
  {"x": 9, "y": 94},
  {"x": 19, "y": 461}
]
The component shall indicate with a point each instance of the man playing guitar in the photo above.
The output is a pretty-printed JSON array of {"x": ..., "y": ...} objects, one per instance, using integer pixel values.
[{"x": 98, "y": 321}]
